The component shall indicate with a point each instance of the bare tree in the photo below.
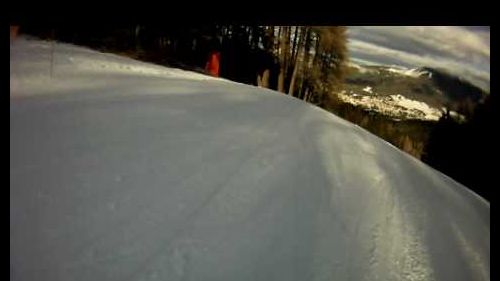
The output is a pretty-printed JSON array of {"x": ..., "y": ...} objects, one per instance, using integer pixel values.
[
  {"x": 285, "y": 50},
  {"x": 296, "y": 61}
]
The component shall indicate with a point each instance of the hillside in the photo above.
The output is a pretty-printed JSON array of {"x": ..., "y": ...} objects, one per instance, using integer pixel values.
[{"x": 403, "y": 93}]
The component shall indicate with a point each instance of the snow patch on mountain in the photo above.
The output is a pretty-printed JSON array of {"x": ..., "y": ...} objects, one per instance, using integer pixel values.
[
  {"x": 361, "y": 68},
  {"x": 396, "y": 106},
  {"x": 411, "y": 72},
  {"x": 368, "y": 89}
]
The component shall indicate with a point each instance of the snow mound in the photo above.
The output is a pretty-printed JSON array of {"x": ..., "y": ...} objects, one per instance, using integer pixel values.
[{"x": 151, "y": 173}]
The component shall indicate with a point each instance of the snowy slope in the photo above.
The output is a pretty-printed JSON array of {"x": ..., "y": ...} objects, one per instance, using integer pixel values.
[
  {"x": 121, "y": 170},
  {"x": 58, "y": 68}
]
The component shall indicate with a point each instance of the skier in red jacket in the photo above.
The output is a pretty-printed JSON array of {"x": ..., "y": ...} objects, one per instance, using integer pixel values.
[{"x": 213, "y": 63}]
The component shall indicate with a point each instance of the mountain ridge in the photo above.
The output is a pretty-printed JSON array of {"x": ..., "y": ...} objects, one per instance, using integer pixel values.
[{"x": 437, "y": 88}]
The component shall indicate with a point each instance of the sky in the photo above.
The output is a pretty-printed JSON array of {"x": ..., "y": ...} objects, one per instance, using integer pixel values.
[{"x": 463, "y": 51}]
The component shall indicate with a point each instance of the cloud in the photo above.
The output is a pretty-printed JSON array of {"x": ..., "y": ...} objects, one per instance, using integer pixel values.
[{"x": 463, "y": 51}]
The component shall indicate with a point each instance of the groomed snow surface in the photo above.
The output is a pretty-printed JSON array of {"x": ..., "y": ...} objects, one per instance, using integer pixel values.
[{"x": 121, "y": 170}]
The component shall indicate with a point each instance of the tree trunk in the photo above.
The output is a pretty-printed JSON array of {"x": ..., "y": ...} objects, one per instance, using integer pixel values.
[
  {"x": 283, "y": 64},
  {"x": 281, "y": 81},
  {"x": 296, "y": 63},
  {"x": 292, "y": 80},
  {"x": 281, "y": 75},
  {"x": 294, "y": 44},
  {"x": 305, "y": 61},
  {"x": 265, "y": 78},
  {"x": 278, "y": 43},
  {"x": 306, "y": 95},
  {"x": 316, "y": 50},
  {"x": 263, "y": 81}
]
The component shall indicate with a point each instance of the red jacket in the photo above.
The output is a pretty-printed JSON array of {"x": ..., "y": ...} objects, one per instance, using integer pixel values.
[{"x": 213, "y": 64}]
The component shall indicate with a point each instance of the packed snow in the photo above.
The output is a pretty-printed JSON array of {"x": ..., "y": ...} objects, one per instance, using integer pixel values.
[
  {"x": 121, "y": 170},
  {"x": 61, "y": 67}
]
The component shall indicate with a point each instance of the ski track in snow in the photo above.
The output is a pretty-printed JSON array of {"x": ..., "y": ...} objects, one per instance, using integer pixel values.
[{"x": 123, "y": 170}]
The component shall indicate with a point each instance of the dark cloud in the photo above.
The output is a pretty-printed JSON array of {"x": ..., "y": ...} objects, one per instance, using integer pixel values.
[{"x": 478, "y": 28}]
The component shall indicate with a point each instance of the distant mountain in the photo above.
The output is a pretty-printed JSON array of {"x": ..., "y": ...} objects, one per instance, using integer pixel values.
[
  {"x": 455, "y": 87},
  {"x": 409, "y": 93}
]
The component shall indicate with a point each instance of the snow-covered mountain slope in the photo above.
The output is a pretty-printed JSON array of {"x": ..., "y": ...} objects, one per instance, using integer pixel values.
[
  {"x": 411, "y": 72},
  {"x": 394, "y": 106},
  {"x": 380, "y": 69},
  {"x": 168, "y": 175},
  {"x": 424, "y": 92}
]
